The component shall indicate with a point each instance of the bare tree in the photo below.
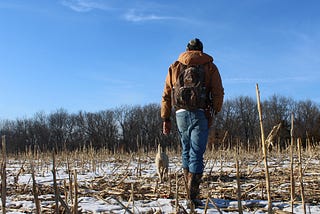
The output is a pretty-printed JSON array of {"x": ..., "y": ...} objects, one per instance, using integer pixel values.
[
  {"x": 102, "y": 129},
  {"x": 307, "y": 120},
  {"x": 278, "y": 109},
  {"x": 246, "y": 118},
  {"x": 60, "y": 129},
  {"x": 239, "y": 118},
  {"x": 39, "y": 131}
]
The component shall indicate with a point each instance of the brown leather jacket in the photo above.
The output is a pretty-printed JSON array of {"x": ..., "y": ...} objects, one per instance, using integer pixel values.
[{"x": 213, "y": 80}]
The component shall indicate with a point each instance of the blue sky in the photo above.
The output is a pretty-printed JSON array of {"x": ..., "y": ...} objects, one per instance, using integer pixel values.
[{"x": 93, "y": 55}]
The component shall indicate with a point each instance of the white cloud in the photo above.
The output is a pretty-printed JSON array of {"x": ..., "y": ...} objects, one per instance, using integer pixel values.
[
  {"x": 133, "y": 16},
  {"x": 268, "y": 80},
  {"x": 85, "y": 5},
  {"x": 131, "y": 12}
]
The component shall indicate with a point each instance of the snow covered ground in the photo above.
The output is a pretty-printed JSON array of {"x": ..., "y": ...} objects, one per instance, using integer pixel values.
[{"x": 129, "y": 184}]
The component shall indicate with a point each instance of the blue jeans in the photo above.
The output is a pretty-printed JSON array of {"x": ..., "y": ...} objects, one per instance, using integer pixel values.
[{"x": 193, "y": 131}]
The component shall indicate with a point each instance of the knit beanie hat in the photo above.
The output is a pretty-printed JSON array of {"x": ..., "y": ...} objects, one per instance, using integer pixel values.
[{"x": 195, "y": 45}]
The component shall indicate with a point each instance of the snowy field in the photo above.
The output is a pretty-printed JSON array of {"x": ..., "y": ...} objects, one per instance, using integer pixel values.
[{"x": 129, "y": 184}]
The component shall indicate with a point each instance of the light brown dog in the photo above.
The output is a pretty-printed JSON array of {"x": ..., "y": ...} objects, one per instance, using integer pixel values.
[{"x": 162, "y": 163}]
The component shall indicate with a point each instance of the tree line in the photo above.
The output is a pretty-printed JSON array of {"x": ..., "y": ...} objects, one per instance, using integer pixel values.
[{"x": 138, "y": 128}]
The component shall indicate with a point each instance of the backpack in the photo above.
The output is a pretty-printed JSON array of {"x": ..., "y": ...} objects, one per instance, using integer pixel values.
[{"x": 189, "y": 91}]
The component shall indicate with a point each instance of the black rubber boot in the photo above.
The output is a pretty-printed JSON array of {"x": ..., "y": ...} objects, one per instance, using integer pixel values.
[{"x": 194, "y": 181}]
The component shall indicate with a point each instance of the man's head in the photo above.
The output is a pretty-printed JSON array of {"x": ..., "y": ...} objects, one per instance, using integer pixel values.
[{"x": 195, "y": 45}]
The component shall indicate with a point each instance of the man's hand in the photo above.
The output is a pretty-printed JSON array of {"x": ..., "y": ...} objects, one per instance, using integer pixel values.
[{"x": 166, "y": 127}]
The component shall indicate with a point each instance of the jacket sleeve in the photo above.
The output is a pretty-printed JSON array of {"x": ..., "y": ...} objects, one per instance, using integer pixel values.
[
  {"x": 166, "y": 104},
  {"x": 217, "y": 90}
]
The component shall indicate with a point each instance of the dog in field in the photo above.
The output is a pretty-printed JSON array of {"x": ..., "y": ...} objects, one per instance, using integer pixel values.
[{"x": 162, "y": 162}]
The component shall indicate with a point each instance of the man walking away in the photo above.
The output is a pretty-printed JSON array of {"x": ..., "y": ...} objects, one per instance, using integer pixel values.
[{"x": 193, "y": 87}]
